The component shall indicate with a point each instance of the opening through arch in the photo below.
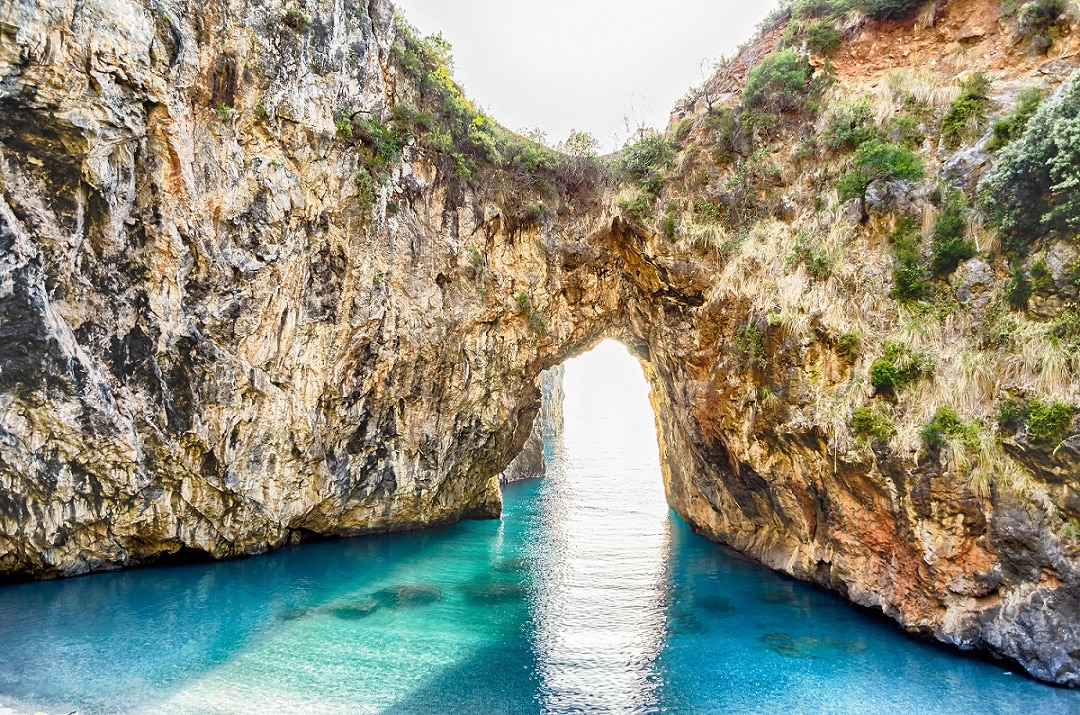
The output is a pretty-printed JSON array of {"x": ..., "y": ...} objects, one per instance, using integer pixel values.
[{"x": 600, "y": 550}]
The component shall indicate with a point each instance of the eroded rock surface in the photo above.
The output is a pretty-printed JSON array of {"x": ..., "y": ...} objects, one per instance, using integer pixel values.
[
  {"x": 531, "y": 462},
  {"x": 209, "y": 340}
]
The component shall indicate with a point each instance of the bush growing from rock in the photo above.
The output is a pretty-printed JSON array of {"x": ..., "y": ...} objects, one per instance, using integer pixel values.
[
  {"x": 890, "y": 9},
  {"x": 897, "y": 368},
  {"x": 1048, "y": 421},
  {"x": 848, "y": 346},
  {"x": 870, "y": 424},
  {"x": 779, "y": 83},
  {"x": 878, "y": 161},
  {"x": 949, "y": 245},
  {"x": 946, "y": 423},
  {"x": 1034, "y": 189},
  {"x": 850, "y": 125},
  {"x": 967, "y": 113},
  {"x": 1012, "y": 126}
]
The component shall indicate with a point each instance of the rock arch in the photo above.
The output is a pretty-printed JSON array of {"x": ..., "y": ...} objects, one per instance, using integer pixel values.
[{"x": 209, "y": 341}]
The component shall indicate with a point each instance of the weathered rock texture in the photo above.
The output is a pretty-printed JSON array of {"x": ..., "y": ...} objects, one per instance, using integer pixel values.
[
  {"x": 531, "y": 462},
  {"x": 209, "y": 341}
]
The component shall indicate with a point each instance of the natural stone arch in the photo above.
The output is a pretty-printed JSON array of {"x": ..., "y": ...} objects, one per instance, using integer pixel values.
[{"x": 211, "y": 341}]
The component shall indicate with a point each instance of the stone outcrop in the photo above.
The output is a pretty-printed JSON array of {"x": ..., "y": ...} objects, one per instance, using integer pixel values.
[
  {"x": 210, "y": 342},
  {"x": 531, "y": 462}
]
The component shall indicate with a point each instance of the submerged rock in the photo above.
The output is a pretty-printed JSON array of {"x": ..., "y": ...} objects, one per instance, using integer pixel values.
[
  {"x": 405, "y": 596},
  {"x": 356, "y": 611},
  {"x": 791, "y": 646},
  {"x": 293, "y": 614},
  {"x": 494, "y": 592},
  {"x": 716, "y": 605}
]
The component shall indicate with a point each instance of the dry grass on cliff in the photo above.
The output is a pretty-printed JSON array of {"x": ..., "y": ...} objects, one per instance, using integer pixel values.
[{"x": 798, "y": 256}]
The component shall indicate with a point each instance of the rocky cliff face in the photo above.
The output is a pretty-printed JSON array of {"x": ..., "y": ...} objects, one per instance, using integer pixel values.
[
  {"x": 217, "y": 337},
  {"x": 531, "y": 461}
]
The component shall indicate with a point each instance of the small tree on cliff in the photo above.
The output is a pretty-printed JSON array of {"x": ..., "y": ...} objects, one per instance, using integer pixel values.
[{"x": 878, "y": 161}]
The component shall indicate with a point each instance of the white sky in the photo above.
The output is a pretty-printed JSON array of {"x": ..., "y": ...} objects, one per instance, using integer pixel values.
[{"x": 584, "y": 64}]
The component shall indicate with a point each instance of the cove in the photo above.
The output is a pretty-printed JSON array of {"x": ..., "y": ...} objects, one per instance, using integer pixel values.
[{"x": 588, "y": 596}]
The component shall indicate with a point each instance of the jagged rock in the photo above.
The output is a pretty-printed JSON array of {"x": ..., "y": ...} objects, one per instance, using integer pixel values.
[
  {"x": 552, "y": 399},
  {"x": 964, "y": 168},
  {"x": 1063, "y": 259},
  {"x": 884, "y": 197},
  {"x": 530, "y": 462},
  {"x": 974, "y": 280},
  {"x": 970, "y": 33}
]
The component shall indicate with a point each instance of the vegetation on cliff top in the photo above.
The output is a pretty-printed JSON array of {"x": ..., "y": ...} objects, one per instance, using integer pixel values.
[
  {"x": 804, "y": 195},
  {"x": 830, "y": 209},
  {"x": 431, "y": 115}
]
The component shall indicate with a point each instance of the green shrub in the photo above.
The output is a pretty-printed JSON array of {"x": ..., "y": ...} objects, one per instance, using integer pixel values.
[
  {"x": 967, "y": 113},
  {"x": 296, "y": 20},
  {"x": 909, "y": 282},
  {"x": 641, "y": 206},
  {"x": 527, "y": 180},
  {"x": 905, "y": 130},
  {"x": 779, "y": 83},
  {"x": 646, "y": 162},
  {"x": 1073, "y": 274},
  {"x": 1041, "y": 277},
  {"x": 1034, "y": 189},
  {"x": 669, "y": 226},
  {"x": 1040, "y": 16},
  {"x": 848, "y": 345},
  {"x": 707, "y": 211},
  {"x": 889, "y": 9},
  {"x": 870, "y": 424},
  {"x": 878, "y": 161},
  {"x": 1011, "y": 127},
  {"x": 822, "y": 38},
  {"x": 366, "y": 188},
  {"x": 897, "y": 368},
  {"x": 909, "y": 276},
  {"x": 384, "y": 141},
  {"x": 581, "y": 143},
  {"x": 1065, "y": 331},
  {"x": 748, "y": 346},
  {"x": 807, "y": 251},
  {"x": 721, "y": 126},
  {"x": 946, "y": 423},
  {"x": 850, "y": 125},
  {"x": 1012, "y": 414},
  {"x": 1018, "y": 292},
  {"x": 809, "y": 9},
  {"x": 532, "y": 315},
  {"x": 746, "y": 191},
  {"x": 949, "y": 246},
  {"x": 223, "y": 111},
  {"x": 1048, "y": 421}
]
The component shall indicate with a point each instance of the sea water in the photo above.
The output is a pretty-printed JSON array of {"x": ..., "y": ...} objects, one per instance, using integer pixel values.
[{"x": 588, "y": 596}]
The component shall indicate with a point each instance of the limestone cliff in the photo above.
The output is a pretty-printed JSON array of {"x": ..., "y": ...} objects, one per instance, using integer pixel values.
[
  {"x": 231, "y": 316},
  {"x": 531, "y": 461}
]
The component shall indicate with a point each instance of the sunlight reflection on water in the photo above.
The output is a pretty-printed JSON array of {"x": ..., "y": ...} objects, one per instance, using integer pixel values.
[{"x": 599, "y": 607}]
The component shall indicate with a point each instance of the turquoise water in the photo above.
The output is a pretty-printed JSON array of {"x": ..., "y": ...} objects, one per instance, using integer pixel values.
[{"x": 587, "y": 597}]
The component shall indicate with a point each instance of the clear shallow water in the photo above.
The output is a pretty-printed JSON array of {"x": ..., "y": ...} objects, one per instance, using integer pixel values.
[{"x": 587, "y": 597}]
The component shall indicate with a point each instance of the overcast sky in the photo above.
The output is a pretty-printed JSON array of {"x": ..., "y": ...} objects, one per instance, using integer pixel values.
[{"x": 584, "y": 64}]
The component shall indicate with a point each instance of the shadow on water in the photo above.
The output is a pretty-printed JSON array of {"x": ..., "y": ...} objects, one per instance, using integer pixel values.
[
  {"x": 97, "y": 641},
  {"x": 499, "y": 679}
]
